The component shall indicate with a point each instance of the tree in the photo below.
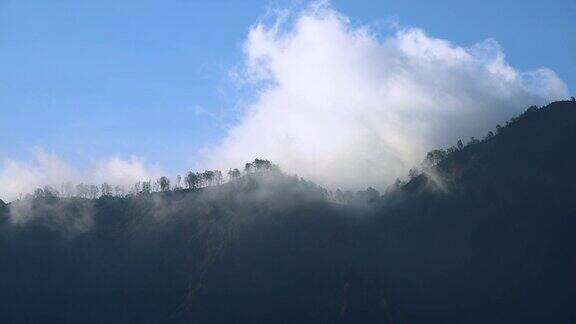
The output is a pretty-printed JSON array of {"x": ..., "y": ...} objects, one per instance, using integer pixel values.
[
  {"x": 147, "y": 186},
  {"x": 573, "y": 99},
  {"x": 413, "y": 173},
  {"x": 261, "y": 165},
  {"x": 248, "y": 168},
  {"x": 207, "y": 177},
  {"x": 434, "y": 157},
  {"x": 531, "y": 109},
  {"x": 498, "y": 129},
  {"x": 50, "y": 191},
  {"x": 82, "y": 190},
  {"x": 178, "y": 185},
  {"x": 372, "y": 194},
  {"x": 164, "y": 183},
  {"x": 67, "y": 189},
  {"x": 460, "y": 145},
  {"x": 93, "y": 191},
  {"x": 38, "y": 193},
  {"x": 192, "y": 180},
  {"x": 106, "y": 189},
  {"x": 490, "y": 135},
  {"x": 136, "y": 188},
  {"x": 118, "y": 191},
  {"x": 233, "y": 174},
  {"x": 218, "y": 177}
]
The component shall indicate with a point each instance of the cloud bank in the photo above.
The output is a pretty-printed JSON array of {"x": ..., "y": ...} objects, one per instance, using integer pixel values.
[
  {"x": 339, "y": 104},
  {"x": 46, "y": 168},
  {"x": 347, "y": 107}
]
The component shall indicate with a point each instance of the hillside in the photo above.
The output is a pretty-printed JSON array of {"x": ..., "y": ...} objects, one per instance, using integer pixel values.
[
  {"x": 498, "y": 246},
  {"x": 484, "y": 235}
]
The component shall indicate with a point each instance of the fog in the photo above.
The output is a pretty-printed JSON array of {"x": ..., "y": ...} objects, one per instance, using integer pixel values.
[{"x": 46, "y": 168}]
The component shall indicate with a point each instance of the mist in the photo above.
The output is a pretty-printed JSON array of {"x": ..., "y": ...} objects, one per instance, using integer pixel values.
[
  {"x": 265, "y": 244},
  {"x": 46, "y": 168},
  {"x": 148, "y": 240}
]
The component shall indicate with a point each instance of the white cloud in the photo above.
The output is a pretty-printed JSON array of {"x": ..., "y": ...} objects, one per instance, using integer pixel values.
[
  {"x": 45, "y": 168},
  {"x": 124, "y": 172},
  {"x": 23, "y": 177},
  {"x": 346, "y": 107}
]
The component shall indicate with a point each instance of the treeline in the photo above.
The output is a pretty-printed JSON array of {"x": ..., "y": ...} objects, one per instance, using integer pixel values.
[
  {"x": 197, "y": 180},
  {"x": 191, "y": 181},
  {"x": 438, "y": 156}
]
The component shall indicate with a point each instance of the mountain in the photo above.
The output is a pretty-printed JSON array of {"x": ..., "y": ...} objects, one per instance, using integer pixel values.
[
  {"x": 495, "y": 242},
  {"x": 484, "y": 234}
]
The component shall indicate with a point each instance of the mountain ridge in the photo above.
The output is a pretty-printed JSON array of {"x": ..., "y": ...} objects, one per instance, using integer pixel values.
[{"x": 483, "y": 234}]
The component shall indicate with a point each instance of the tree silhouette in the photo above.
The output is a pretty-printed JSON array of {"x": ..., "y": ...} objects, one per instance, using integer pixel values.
[
  {"x": 67, "y": 189},
  {"x": 164, "y": 183},
  {"x": 207, "y": 178},
  {"x": 106, "y": 189},
  {"x": 38, "y": 193},
  {"x": 233, "y": 174},
  {"x": 261, "y": 165},
  {"x": 413, "y": 173},
  {"x": 81, "y": 190},
  {"x": 192, "y": 180},
  {"x": 434, "y": 157},
  {"x": 178, "y": 185},
  {"x": 93, "y": 191},
  {"x": 218, "y": 179},
  {"x": 147, "y": 187},
  {"x": 118, "y": 191},
  {"x": 136, "y": 188}
]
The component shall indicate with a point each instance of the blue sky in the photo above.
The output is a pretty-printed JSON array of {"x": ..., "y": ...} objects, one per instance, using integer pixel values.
[{"x": 91, "y": 79}]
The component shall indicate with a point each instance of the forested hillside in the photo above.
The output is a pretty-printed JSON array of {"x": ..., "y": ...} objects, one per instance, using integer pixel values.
[{"x": 480, "y": 233}]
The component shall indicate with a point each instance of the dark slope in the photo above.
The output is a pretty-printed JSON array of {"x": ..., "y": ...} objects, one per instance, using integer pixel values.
[
  {"x": 500, "y": 245},
  {"x": 266, "y": 248},
  {"x": 490, "y": 241}
]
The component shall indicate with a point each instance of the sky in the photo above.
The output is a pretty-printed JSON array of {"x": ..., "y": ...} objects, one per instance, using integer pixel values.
[{"x": 117, "y": 91}]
